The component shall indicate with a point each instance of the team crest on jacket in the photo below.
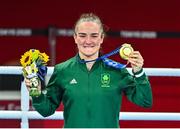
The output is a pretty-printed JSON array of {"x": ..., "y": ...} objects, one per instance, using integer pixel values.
[{"x": 105, "y": 80}]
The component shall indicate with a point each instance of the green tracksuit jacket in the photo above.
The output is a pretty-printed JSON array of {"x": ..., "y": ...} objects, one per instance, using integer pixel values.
[{"x": 92, "y": 99}]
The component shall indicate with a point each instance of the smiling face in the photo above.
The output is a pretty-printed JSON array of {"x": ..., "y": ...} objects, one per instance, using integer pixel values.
[{"x": 88, "y": 37}]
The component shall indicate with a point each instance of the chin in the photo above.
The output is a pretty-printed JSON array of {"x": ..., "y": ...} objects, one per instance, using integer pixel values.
[{"x": 89, "y": 54}]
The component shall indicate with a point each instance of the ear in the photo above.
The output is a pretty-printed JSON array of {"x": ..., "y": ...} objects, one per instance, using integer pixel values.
[
  {"x": 75, "y": 38},
  {"x": 102, "y": 38}
]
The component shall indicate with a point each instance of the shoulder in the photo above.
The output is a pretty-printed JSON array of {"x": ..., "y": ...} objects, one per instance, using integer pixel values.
[{"x": 66, "y": 64}]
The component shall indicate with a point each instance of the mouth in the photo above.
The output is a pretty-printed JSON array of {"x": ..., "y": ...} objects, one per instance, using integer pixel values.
[{"x": 88, "y": 46}]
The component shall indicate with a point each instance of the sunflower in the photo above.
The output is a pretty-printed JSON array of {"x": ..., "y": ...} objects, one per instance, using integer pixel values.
[
  {"x": 44, "y": 57},
  {"x": 26, "y": 58}
]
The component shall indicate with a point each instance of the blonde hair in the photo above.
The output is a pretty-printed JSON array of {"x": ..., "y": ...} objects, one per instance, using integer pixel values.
[{"x": 89, "y": 17}]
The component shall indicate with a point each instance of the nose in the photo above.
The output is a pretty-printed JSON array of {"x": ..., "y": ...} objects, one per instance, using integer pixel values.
[{"x": 88, "y": 39}]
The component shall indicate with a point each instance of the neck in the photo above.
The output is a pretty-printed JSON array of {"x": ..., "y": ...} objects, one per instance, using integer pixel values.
[{"x": 87, "y": 58}]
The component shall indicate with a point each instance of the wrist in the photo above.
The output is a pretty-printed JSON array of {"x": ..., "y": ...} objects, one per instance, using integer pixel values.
[
  {"x": 136, "y": 69},
  {"x": 138, "y": 73}
]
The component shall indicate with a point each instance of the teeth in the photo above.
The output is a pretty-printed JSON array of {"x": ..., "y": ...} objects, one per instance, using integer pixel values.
[{"x": 88, "y": 46}]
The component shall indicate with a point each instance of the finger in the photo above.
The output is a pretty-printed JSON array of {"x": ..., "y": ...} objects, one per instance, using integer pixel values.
[
  {"x": 132, "y": 62},
  {"x": 135, "y": 54},
  {"x": 27, "y": 82},
  {"x": 136, "y": 60},
  {"x": 136, "y": 63},
  {"x": 28, "y": 88},
  {"x": 39, "y": 88}
]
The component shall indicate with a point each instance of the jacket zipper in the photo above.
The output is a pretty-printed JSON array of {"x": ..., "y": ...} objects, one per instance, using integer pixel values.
[{"x": 88, "y": 106}]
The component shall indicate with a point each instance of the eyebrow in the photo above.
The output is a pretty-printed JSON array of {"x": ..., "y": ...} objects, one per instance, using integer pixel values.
[{"x": 86, "y": 33}]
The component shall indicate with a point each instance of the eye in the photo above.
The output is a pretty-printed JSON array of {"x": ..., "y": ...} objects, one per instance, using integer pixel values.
[
  {"x": 94, "y": 36},
  {"x": 82, "y": 36}
]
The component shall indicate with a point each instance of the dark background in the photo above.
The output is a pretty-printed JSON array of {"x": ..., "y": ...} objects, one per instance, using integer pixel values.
[{"x": 141, "y": 15}]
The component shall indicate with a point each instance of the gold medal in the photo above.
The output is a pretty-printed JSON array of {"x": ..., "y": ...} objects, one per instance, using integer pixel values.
[{"x": 125, "y": 51}]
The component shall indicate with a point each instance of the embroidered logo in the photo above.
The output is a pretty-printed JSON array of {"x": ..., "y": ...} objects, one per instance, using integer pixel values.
[
  {"x": 105, "y": 80},
  {"x": 73, "y": 81}
]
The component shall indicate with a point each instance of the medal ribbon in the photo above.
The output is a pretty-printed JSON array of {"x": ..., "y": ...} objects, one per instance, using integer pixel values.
[{"x": 107, "y": 61}]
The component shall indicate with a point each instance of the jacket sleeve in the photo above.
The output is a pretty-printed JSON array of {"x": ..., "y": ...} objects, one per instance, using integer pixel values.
[
  {"x": 139, "y": 90},
  {"x": 49, "y": 101}
]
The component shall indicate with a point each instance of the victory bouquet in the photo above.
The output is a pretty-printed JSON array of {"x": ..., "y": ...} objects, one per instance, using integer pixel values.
[{"x": 34, "y": 68}]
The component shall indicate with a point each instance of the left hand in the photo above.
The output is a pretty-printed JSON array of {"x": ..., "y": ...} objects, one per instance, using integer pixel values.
[{"x": 136, "y": 61}]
